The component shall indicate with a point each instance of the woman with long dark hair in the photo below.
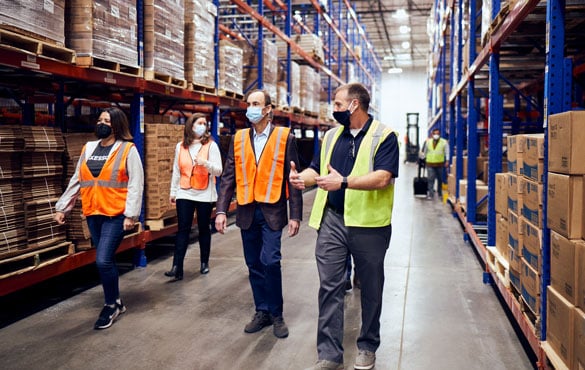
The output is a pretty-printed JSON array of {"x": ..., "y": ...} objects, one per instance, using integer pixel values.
[{"x": 110, "y": 179}]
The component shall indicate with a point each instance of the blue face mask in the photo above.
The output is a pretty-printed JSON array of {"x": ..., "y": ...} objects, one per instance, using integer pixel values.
[{"x": 254, "y": 114}]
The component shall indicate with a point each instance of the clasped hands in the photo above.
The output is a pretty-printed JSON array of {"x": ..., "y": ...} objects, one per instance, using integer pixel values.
[{"x": 330, "y": 182}]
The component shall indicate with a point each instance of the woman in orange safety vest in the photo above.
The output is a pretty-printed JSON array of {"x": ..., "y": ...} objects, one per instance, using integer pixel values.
[
  {"x": 197, "y": 163},
  {"x": 110, "y": 179}
]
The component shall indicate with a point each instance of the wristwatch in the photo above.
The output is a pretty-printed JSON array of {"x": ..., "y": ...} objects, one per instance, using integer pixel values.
[{"x": 344, "y": 182}]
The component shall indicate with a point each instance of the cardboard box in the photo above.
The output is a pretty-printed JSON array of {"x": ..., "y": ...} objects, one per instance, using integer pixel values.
[
  {"x": 566, "y": 135},
  {"x": 563, "y": 266},
  {"x": 514, "y": 258},
  {"x": 515, "y": 153},
  {"x": 502, "y": 235},
  {"x": 531, "y": 244},
  {"x": 514, "y": 231},
  {"x": 533, "y": 147},
  {"x": 531, "y": 201},
  {"x": 515, "y": 277},
  {"x": 530, "y": 282},
  {"x": 533, "y": 170},
  {"x": 481, "y": 191},
  {"x": 560, "y": 326},
  {"x": 580, "y": 274},
  {"x": 579, "y": 339},
  {"x": 451, "y": 186},
  {"x": 515, "y": 196},
  {"x": 565, "y": 205},
  {"x": 501, "y": 193}
]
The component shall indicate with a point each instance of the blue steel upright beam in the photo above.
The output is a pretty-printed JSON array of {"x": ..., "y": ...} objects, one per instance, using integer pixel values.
[
  {"x": 260, "y": 47},
  {"x": 461, "y": 134},
  {"x": 452, "y": 124},
  {"x": 472, "y": 140},
  {"x": 553, "y": 103}
]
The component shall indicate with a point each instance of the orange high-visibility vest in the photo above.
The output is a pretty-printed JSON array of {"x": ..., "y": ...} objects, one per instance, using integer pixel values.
[
  {"x": 106, "y": 194},
  {"x": 193, "y": 177},
  {"x": 260, "y": 182}
]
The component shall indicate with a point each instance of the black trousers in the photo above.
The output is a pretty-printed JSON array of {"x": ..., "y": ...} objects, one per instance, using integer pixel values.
[{"x": 185, "y": 213}]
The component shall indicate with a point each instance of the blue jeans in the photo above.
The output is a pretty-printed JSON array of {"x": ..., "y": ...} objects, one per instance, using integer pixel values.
[
  {"x": 262, "y": 255},
  {"x": 107, "y": 234},
  {"x": 185, "y": 212}
]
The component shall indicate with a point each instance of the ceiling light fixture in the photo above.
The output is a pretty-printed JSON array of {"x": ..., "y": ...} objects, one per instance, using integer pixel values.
[
  {"x": 400, "y": 14},
  {"x": 388, "y": 57},
  {"x": 395, "y": 70},
  {"x": 405, "y": 44},
  {"x": 404, "y": 29}
]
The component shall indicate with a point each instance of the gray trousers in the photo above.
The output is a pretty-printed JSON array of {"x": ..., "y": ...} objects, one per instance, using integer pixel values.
[
  {"x": 368, "y": 248},
  {"x": 435, "y": 173}
]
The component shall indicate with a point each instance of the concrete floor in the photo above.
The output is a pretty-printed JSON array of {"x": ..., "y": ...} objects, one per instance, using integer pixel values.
[{"x": 437, "y": 313}]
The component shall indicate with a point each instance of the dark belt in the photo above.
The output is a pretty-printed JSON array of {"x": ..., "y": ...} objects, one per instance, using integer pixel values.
[{"x": 334, "y": 209}]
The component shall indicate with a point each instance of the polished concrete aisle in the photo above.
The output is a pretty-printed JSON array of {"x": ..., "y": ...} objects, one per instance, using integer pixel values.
[{"x": 437, "y": 313}]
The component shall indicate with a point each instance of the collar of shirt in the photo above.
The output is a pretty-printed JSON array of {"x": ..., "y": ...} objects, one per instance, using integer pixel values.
[
  {"x": 363, "y": 130},
  {"x": 260, "y": 141}
]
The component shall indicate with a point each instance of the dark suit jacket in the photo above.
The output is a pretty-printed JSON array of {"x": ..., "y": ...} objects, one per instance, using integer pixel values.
[{"x": 275, "y": 214}]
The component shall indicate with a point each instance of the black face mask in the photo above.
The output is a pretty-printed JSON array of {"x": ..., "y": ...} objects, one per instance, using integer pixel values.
[
  {"x": 102, "y": 131},
  {"x": 343, "y": 116}
]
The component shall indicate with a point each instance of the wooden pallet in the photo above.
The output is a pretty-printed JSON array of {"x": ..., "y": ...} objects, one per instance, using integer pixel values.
[
  {"x": 162, "y": 223},
  {"x": 284, "y": 109},
  {"x": 203, "y": 89},
  {"x": 555, "y": 360},
  {"x": 230, "y": 94},
  {"x": 499, "y": 265},
  {"x": 35, "y": 46},
  {"x": 297, "y": 110},
  {"x": 108, "y": 65},
  {"x": 32, "y": 260},
  {"x": 165, "y": 79}
]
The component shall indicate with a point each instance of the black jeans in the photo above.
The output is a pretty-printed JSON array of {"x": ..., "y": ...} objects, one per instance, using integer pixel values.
[{"x": 185, "y": 212}]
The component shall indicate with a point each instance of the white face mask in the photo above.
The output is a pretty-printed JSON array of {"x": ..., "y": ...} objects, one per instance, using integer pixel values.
[
  {"x": 199, "y": 130},
  {"x": 436, "y": 137}
]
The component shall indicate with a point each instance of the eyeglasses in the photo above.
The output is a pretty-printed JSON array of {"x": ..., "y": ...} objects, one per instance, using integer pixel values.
[{"x": 352, "y": 149}]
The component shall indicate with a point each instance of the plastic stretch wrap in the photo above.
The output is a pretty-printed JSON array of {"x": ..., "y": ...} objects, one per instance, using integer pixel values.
[
  {"x": 230, "y": 67},
  {"x": 164, "y": 25},
  {"x": 199, "y": 45},
  {"x": 104, "y": 29},
  {"x": 44, "y": 18},
  {"x": 270, "y": 65}
]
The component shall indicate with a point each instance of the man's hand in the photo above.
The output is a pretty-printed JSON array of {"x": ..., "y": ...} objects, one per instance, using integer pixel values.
[
  {"x": 295, "y": 179},
  {"x": 221, "y": 223},
  {"x": 172, "y": 200},
  {"x": 330, "y": 182},
  {"x": 128, "y": 224},
  {"x": 293, "y": 227}
]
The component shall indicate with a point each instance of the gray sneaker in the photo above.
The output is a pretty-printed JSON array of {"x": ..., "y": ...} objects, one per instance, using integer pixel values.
[
  {"x": 326, "y": 365},
  {"x": 365, "y": 360}
]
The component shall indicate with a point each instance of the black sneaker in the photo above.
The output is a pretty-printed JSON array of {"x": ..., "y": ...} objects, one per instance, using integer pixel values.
[
  {"x": 107, "y": 317},
  {"x": 260, "y": 320},
  {"x": 120, "y": 306},
  {"x": 279, "y": 328},
  {"x": 348, "y": 287}
]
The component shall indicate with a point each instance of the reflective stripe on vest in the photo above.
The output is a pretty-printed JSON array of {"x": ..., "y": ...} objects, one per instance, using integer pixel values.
[
  {"x": 437, "y": 154},
  {"x": 372, "y": 208},
  {"x": 105, "y": 194},
  {"x": 193, "y": 176},
  {"x": 260, "y": 182}
]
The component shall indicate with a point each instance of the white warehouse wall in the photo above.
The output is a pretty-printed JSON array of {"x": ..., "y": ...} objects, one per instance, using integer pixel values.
[{"x": 404, "y": 93}]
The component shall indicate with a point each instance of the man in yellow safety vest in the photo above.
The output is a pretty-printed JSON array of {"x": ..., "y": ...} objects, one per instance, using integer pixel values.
[{"x": 436, "y": 153}]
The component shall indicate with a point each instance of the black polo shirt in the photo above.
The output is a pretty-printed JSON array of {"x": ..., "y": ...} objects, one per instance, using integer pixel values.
[{"x": 343, "y": 159}]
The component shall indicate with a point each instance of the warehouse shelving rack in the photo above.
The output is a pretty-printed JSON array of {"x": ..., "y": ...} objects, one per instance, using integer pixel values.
[
  {"x": 61, "y": 82},
  {"x": 519, "y": 60}
]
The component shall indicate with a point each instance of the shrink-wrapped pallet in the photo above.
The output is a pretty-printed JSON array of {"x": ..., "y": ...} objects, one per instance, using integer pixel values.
[
  {"x": 42, "y": 19},
  {"x": 103, "y": 29},
  {"x": 295, "y": 83},
  {"x": 269, "y": 66},
  {"x": 164, "y": 24},
  {"x": 307, "y": 88},
  {"x": 199, "y": 44},
  {"x": 230, "y": 67}
]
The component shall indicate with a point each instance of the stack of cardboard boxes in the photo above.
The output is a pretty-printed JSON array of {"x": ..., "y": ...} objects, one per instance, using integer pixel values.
[{"x": 565, "y": 218}]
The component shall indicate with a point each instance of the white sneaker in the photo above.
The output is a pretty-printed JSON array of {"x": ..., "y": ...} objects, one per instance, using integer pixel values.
[{"x": 365, "y": 360}]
